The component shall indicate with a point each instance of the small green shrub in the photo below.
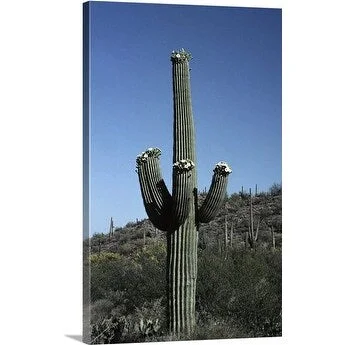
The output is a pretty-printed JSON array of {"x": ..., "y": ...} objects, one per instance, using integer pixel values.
[
  {"x": 146, "y": 323},
  {"x": 103, "y": 257},
  {"x": 246, "y": 288},
  {"x": 101, "y": 309}
]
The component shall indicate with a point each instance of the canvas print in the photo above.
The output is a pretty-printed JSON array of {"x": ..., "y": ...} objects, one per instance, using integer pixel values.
[{"x": 182, "y": 172}]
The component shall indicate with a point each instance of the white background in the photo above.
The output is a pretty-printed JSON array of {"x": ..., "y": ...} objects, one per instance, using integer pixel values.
[{"x": 41, "y": 171}]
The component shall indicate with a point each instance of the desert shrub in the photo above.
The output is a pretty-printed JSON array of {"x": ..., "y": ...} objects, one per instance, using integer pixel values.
[
  {"x": 103, "y": 257},
  {"x": 246, "y": 288},
  {"x": 117, "y": 274},
  {"x": 130, "y": 224},
  {"x": 151, "y": 283},
  {"x": 210, "y": 327},
  {"x": 141, "y": 276},
  {"x": 155, "y": 251},
  {"x": 100, "y": 310},
  {"x": 146, "y": 323},
  {"x": 108, "y": 330},
  {"x": 257, "y": 295},
  {"x": 237, "y": 296},
  {"x": 275, "y": 189}
]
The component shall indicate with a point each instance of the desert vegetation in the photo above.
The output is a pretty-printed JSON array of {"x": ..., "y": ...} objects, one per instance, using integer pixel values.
[{"x": 238, "y": 291}]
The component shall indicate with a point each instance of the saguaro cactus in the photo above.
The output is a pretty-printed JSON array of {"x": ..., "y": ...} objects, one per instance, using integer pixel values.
[
  {"x": 178, "y": 213},
  {"x": 252, "y": 234},
  {"x": 226, "y": 237},
  {"x": 111, "y": 227}
]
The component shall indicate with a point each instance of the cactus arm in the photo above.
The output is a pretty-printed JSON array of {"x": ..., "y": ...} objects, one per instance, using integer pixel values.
[
  {"x": 216, "y": 194},
  {"x": 156, "y": 197},
  {"x": 158, "y": 189}
]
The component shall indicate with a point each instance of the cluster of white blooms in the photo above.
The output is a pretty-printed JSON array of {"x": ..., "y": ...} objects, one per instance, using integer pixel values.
[
  {"x": 180, "y": 55},
  {"x": 142, "y": 157},
  {"x": 150, "y": 152},
  {"x": 153, "y": 152},
  {"x": 183, "y": 165},
  {"x": 222, "y": 168}
]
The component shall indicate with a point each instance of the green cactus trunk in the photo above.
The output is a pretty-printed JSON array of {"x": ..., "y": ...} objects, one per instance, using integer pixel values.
[
  {"x": 178, "y": 213},
  {"x": 181, "y": 277},
  {"x": 182, "y": 236}
]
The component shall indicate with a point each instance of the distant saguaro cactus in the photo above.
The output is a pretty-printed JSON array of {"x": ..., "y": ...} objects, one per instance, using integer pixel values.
[
  {"x": 226, "y": 237},
  {"x": 111, "y": 227},
  {"x": 273, "y": 238},
  {"x": 252, "y": 234},
  {"x": 178, "y": 213}
]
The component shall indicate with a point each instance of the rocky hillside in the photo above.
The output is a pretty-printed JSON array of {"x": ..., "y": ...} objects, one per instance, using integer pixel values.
[{"x": 230, "y": 228}]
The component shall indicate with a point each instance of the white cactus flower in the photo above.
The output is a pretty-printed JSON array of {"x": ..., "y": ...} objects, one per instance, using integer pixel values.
[
  {"x": 222, "y": 168},
  {"x": 183, "y": 165}
]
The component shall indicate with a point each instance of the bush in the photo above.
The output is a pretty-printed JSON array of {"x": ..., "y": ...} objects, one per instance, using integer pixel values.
[
  {"x": 101, "y": 309},
  {"x": 113, "y": 273},
  {"x": 104, "y": 257},
  {"x": 246, "y": 288},
  {"x": 141, "y": 278},
  {"x": 210, "y": 327},
  {"x": 275, "y": 189},
  {"x": 237, "y": 296},
  {"x": 146, "y": 323}
]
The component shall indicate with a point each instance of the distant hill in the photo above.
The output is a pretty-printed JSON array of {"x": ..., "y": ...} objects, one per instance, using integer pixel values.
[{"x": 235, "y": 215}]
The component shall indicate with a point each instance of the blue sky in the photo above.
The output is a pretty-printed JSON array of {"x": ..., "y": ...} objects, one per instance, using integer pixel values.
[{"x": 236, "y": 96}]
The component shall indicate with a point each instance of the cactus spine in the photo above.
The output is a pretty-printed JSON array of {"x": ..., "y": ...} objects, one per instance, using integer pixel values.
[{"x": 177, "y": 213}]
